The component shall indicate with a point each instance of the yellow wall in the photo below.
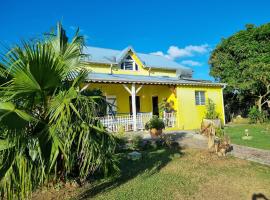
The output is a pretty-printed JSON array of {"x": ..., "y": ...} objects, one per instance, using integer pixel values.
[
  {"x": 189, "y": 115},
  {"x": 145, "y": 94},
  {"x": 105, "y": 68}
]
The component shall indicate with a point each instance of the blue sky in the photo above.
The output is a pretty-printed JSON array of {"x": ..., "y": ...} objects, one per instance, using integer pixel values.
[{"x": 185, "y": 31}]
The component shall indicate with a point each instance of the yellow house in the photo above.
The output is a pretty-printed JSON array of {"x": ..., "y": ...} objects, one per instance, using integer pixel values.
[{"x": 139, "y": 85}]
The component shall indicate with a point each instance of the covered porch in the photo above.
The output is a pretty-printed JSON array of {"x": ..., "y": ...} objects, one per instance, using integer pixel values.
[{"x": 133, "y": 103}]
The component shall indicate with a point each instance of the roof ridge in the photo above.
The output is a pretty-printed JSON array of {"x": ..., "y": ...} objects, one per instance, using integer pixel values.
[
  {"x": 148, "y": 59},
  {"x": 129, "y": 46}
]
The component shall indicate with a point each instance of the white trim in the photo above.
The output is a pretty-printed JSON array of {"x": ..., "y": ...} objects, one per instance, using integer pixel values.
[
  {"x": 139, "y": 88},
  {"x": 127, "y": 89},
  {"x": 223, "y": 109},
  {"x": 200, "y": 102},
  {"x": 129, "y": 60},
  {"x": 134, "y": 112}
]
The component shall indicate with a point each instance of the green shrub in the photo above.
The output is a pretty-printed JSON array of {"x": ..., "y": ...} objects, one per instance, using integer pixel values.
[
  {"x": 136, "y": 142},
  {"x": 211, "y": 110},
  {"x": 219, "y": 132},
  {"x": 255, "y": 116},
  {"x": 156, "y": 123},
  {"x": 121, "y": 141}
]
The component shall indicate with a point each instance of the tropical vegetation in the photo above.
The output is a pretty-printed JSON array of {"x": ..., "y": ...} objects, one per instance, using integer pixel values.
[
  {"x": 155, "y": 123},
  {"x": 242, "y": 61},
  {"x": 48, "y": 120},
  {"x": 211, "y": 112}
]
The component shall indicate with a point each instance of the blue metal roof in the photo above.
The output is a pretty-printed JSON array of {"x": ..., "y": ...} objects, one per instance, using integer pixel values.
[
  {"x": 110, "y": 56},
  {"x": 159, "y": 80}
]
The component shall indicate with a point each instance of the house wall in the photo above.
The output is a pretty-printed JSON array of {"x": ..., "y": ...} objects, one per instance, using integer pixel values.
[
  {"x": 105, "y": 68},
  {"x": 190, "y": 115},
  {"x": 145, "y": 94}
]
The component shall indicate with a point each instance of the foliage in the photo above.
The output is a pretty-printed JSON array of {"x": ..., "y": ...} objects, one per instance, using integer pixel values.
[
  {"x": 235, "y": 104},
  {"x": 155, "y": 122},
  {"x": 211, "y": 110},
  {"x": 49, "y": 128},
  {"x": 165, "y": 106},
  {"x": 136, "y": 142},
  {"x": 255, "y": 116},
  {"x": 242, "y": 61},
  {"x": 100, "y": 100},
  {"x": 219, "y": 132}
]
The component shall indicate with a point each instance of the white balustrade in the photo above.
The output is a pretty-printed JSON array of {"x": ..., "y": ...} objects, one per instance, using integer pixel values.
[{"x": 125, "y": 122}]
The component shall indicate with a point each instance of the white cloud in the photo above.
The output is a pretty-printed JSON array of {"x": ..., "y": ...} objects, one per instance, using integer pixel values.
[
  {"x": 175, "y": 52},
  {"x": 158, "y": 53},
  {"x": 191, "y": 63}
]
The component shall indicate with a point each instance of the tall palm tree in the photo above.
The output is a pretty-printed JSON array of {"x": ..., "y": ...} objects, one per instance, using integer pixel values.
[{"x": 48, "y": 128}]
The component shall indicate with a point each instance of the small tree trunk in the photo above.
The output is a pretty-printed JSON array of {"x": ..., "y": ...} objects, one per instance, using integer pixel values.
[
  {"x": 259, "y": 103},
  {"x": 211, "y": 137}
]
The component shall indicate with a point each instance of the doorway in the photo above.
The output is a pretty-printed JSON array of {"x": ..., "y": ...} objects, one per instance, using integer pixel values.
[
  {"x": 138, "y": 104},
  {"x": 155, "y": 108}
]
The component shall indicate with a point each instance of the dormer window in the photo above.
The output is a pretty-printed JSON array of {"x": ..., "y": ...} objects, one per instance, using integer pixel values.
[{"x": 129, "y": 64}]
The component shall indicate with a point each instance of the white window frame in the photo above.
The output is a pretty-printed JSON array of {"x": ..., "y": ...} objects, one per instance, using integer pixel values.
[
  {"x": 201, "y": 101},
  {"x": 114, "y": 107},
  {"x": 133, "y": 64}
]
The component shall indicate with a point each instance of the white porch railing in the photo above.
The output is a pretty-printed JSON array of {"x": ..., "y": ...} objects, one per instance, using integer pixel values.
[
  {"x": 125, "y": 122},
  {"x": 169, "y": 119}
]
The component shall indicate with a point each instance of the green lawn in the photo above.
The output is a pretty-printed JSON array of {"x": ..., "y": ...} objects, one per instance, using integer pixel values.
[
  {"x": 260, "y": 135},
  {"x": 190, "y": 174}
]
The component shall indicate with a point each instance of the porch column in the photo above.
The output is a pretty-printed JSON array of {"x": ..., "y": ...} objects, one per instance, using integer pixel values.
[
  {"x": 133, "y": 93},
  {"x": 133, "y": 98}
]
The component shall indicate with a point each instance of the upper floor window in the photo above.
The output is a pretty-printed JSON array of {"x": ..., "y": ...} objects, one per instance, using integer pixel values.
[
  {"x": 129, "y": 64},
  {"x": 200, "y": 97}
]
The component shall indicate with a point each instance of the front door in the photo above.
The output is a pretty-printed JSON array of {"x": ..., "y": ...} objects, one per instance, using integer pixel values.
[{"x": 155, "y": 109}]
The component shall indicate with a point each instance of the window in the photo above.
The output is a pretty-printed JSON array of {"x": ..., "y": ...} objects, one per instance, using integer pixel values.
[
  {"x": 112, "y": 107},
  {"x": 200, "y": 97},
  {"x": 129, "y": 64}
]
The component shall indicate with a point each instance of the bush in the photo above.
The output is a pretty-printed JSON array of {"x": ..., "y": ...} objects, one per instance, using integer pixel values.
[
  {"x": 219, "y": 132},
  {"x": 255, "y": 116},
  {"x": 156, "y": 123},
  {"x": 211, "y": 110},
  {"x": 136, "y": 142},
  {"x": 121, "y": 141}
]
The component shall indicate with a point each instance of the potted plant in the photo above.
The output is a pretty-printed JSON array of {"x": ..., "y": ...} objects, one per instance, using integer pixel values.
[
  {"x": 155, "y": 125},
  {"x": 211, "y": 118}
]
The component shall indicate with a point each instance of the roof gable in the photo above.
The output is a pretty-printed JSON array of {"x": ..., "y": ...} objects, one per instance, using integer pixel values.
[{"x": 110, "y": 56}]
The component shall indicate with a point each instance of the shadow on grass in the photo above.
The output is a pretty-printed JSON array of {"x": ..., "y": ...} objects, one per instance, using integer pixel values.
[
  {"x": 152, "y": 162},
  {"x": 259, "y": 196}
]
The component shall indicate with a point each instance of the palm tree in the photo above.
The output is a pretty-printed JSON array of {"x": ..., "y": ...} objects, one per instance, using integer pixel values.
[{"x": 48, "y": 126}]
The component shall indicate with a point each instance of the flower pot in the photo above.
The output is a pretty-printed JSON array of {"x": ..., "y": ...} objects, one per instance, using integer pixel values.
[{"x": 155, "y": 132}]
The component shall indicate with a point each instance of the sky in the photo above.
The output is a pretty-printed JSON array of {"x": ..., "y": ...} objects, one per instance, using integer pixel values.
[{"x": 182, "y": 30}]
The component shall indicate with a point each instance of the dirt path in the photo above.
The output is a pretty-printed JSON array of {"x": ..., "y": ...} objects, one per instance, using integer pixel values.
[{"x": 193, "y": 140}]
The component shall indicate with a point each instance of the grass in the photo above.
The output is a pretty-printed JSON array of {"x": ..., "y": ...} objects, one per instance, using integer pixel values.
[
  {"x": 190, "y": 174},
  {"x": 260, "y": 135}
]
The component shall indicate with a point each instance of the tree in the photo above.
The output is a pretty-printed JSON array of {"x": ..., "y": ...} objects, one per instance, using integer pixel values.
[
  {"x": 243, "y": 62},
  {"x": 48, "y": 128}
]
